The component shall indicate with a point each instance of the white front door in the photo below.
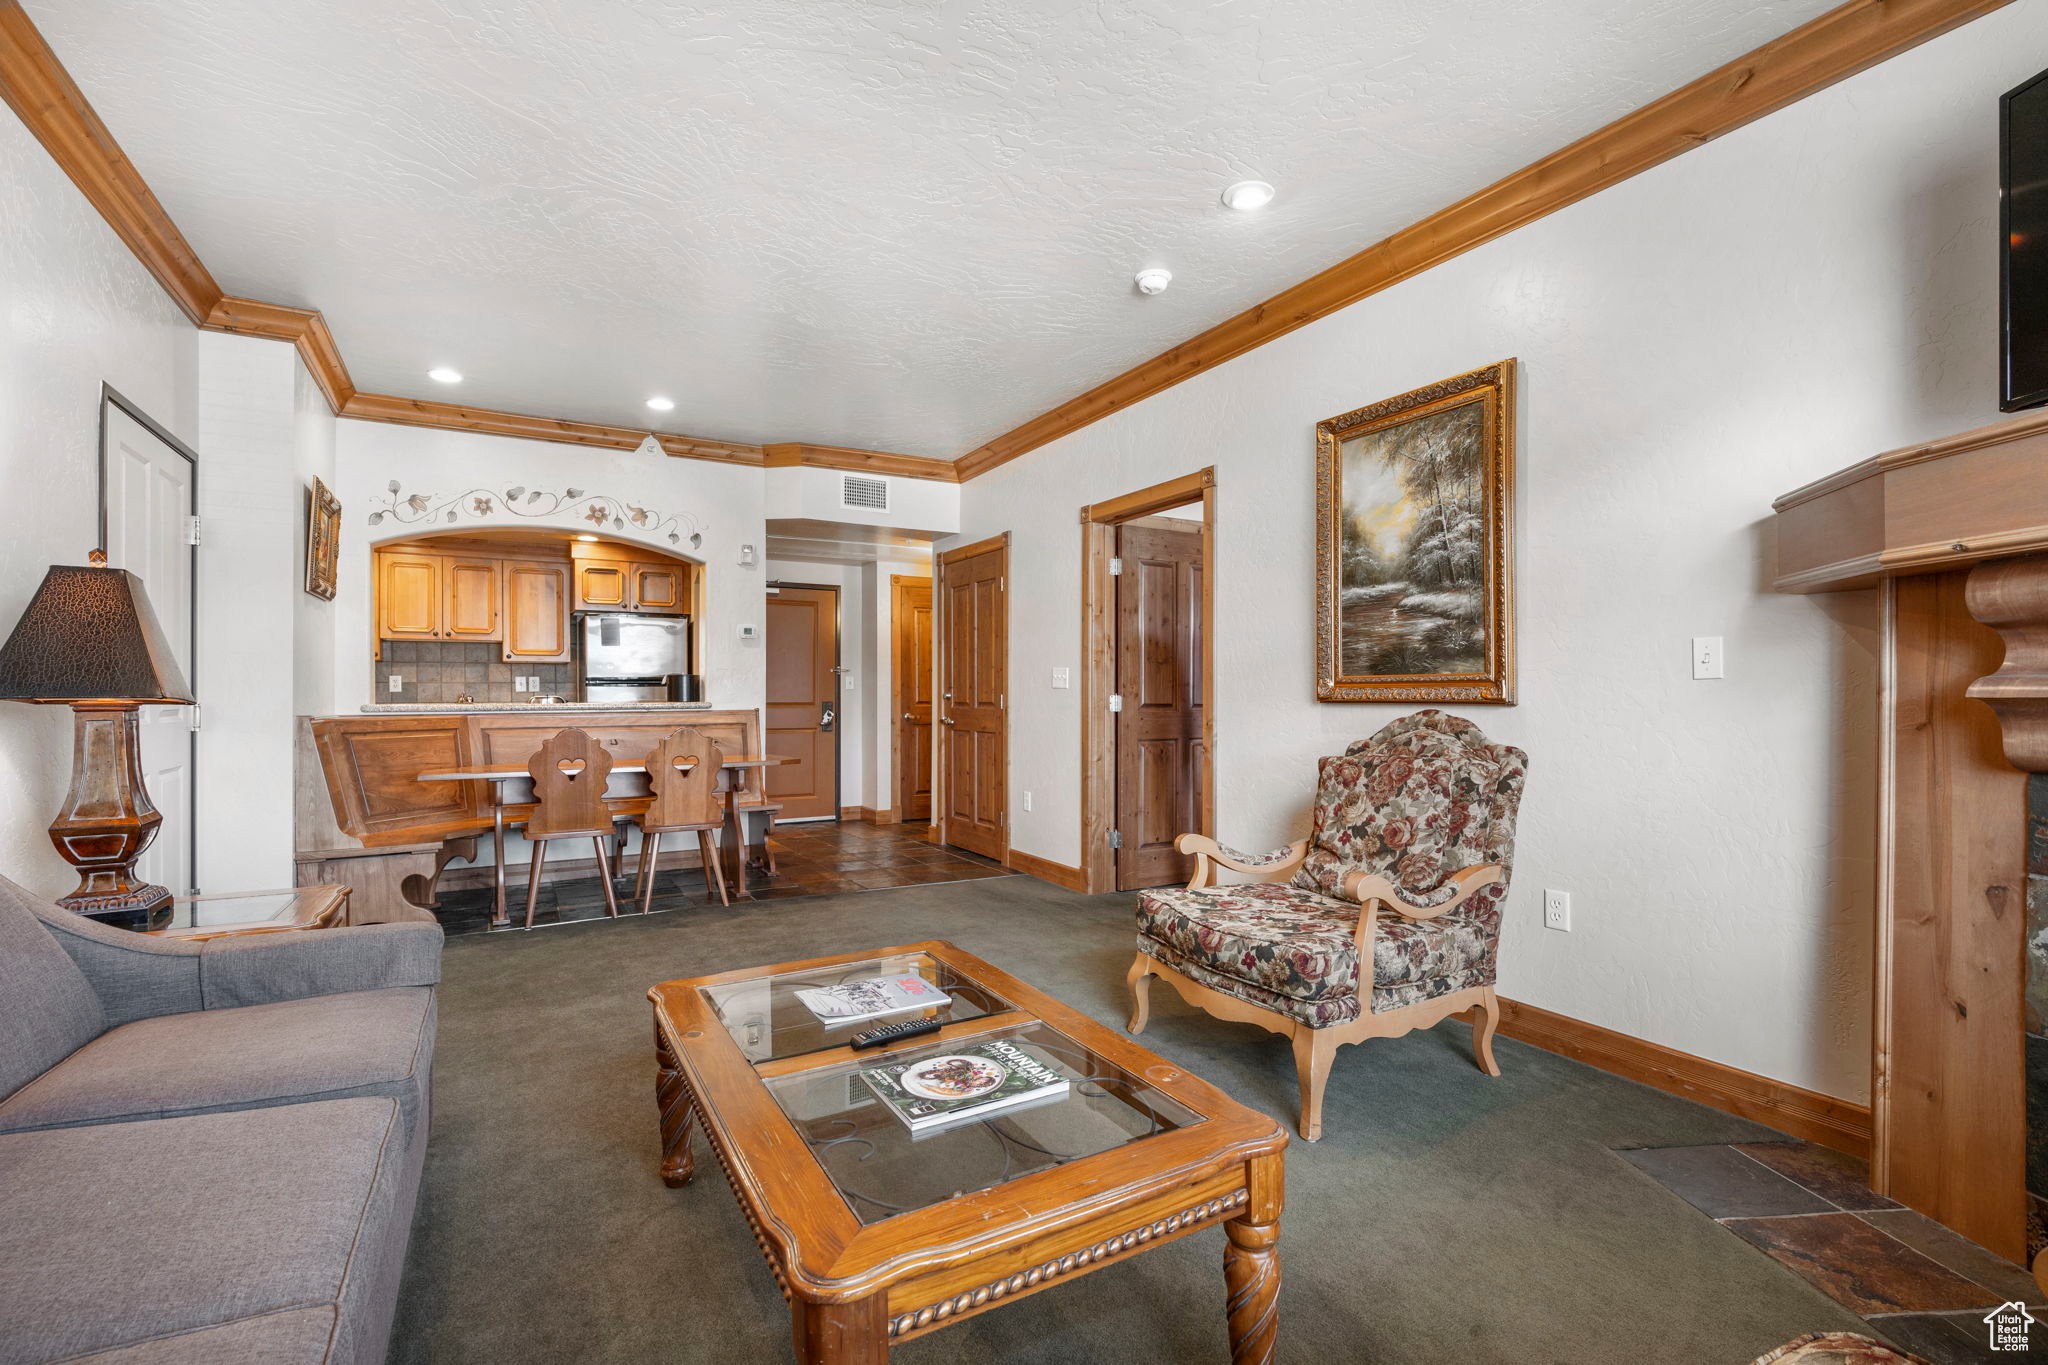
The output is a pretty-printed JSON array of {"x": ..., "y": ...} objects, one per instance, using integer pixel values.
[{"x": 149, "y": 504}]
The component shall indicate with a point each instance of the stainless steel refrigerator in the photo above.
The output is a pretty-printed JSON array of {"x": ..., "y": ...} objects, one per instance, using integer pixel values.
[{"x": 625, "y": 657}]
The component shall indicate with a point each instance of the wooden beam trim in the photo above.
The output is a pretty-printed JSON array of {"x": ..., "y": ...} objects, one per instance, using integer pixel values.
[
  {"x": 49, "y": 103},
  {"x": 784, "y": 454},
  {"x": 1840, "y": 1124},
  {"x": 1833, "y": 47},
  {"x": 1160, "y": 496},
  {"x": 995, "y": 542},
  {"x": 304, "y": 328}
]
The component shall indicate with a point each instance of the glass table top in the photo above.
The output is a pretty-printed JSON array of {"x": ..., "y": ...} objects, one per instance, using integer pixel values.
[
  {"x": 881, "y": 1169},
  {"x": 249, "y": 912},
  {"x": 766, "y": 1019}
]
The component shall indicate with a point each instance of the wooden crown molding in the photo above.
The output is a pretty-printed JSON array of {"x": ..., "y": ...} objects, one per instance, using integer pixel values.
[
  {"x": 305, "y": 329},
  {"x": 1837, "y": 45},
  {"x": 1840, "y": 1124},
  {"x": 781, "y": 455},
  {"x": 41, "y": 92}
]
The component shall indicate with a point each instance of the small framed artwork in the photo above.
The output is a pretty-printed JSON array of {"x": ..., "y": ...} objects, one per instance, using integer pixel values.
[
  {"x": 323, "y": 540},
  {"x": 1414, "y": 545}
]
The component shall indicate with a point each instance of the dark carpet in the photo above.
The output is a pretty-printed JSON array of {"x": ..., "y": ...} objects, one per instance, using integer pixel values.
[{"x": 1445, "y": 1216}]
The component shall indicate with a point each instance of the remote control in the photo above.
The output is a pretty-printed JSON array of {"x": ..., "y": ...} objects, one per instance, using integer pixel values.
[{"x": 889, "y": 1033}]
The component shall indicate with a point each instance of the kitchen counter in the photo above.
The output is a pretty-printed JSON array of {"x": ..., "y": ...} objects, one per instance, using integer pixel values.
[{"x": 399, "y": 708}]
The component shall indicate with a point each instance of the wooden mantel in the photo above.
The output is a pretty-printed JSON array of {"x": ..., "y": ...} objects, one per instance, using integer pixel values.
[{"x": 1954, "y": 535}]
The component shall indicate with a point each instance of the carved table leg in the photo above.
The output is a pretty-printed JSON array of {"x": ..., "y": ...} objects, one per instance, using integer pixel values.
[
  {"x": 1251, "y": 1269},
  {"x": 672, "y": 1098},
  {"x": 855, "y": 1333}
]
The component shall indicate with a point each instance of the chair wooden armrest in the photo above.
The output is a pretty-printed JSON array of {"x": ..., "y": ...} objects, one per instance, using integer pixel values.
[
  {"x": 1371, "y": 889},
  {"x": 1276, "y": 866}
]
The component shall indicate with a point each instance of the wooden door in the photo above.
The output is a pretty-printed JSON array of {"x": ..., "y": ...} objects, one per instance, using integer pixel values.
[
  {"x": 472, "y": 587},
  {"x": 911, "y": 615},
  {"x": 148, "y": 495},
  {"x": 1158, "y": 677},
  {"x": 657, "y": 587},
  {"x": 602, "y": 585},
  {"x": 408, "y": 596},
  {"x": 536, "y": 612},
  {"x": 803, "y": 702},
  {"x": 973, "y": 716}
]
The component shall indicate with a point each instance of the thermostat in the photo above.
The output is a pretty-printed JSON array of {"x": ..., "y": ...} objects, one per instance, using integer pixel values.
[{"x": 749, "y": 632}]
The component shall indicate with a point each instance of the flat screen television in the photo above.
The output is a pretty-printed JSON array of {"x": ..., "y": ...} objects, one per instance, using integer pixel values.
[{"x": 2023, "y": 246}]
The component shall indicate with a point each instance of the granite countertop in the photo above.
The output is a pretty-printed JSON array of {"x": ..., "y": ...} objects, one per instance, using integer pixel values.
[{"x": 431, "y": 707}]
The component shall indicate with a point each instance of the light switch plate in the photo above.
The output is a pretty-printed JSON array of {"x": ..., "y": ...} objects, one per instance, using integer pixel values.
[
  {"x": 1706, "y": 656},
  {"x": 397, "y": 683},
  {"x": 1062, "y": 677},
  {"x": 1027, "y": 800}
]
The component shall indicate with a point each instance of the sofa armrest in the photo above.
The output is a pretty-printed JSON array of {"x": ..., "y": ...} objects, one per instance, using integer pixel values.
[
  {"x": 1372, "y": 889},
  {"x": 1275, "y": 866},
  {"x": 259, "y": 969}
]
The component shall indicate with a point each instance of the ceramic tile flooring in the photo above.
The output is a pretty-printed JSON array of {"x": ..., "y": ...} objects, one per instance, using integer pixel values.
[
  {"x": 813, "y": 859},
  {"x": 1919, "y": 1285}
]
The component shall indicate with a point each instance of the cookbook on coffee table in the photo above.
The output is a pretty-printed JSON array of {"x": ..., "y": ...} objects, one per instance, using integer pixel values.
[
  {"x": 871, "y": 997},
  {"x": 976, "y": 1080}
]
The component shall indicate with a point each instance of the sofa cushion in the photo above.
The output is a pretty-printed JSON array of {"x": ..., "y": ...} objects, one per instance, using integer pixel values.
[
  {"x": 326, "y": 1047},
  {"x": 299, "y": 1335},
  {"x": 1285, "y": 944},
  {"x": 126, "y": 1233},
  {"x": 47, "y": 1008}
]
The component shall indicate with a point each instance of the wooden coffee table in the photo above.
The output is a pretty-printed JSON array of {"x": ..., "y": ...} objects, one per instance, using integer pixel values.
[{"x": 875, "y": 1237}]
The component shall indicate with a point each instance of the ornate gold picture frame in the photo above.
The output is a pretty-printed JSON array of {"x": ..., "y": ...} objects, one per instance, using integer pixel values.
[
  {"x": 323, "y": 540},
  {"x": 1415, "y": 545}
]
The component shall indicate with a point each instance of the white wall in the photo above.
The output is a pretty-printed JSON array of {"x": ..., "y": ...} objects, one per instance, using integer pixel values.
[
  {"x": 1791, "y": 298},
  {"x": 76, "y": 310},
  {"x": 313, "y": 432},
  {"x": 927, "y": 505}
]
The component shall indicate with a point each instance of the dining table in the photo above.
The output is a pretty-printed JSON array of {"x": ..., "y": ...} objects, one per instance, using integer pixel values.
[{"x": 500, "y": 775}]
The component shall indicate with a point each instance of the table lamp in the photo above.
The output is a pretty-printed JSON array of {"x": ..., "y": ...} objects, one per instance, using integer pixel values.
[{"x": 89, "y": 640}]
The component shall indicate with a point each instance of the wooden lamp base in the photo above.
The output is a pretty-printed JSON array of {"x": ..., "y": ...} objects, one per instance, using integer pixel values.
[{"x": 108, "y": 820}]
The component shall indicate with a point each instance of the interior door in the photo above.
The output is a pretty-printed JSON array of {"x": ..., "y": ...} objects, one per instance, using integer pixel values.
[
  {"x": 802, "y": 721},
  {"x": 973, "y": 716},
  {"x": 911, "y": 614},
  {"x": 149, "y": 490},
  {"x": 1158, "y": 676}
]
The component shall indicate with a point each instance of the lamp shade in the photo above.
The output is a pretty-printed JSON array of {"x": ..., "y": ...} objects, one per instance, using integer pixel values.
[{"x": 89, "y": 635}]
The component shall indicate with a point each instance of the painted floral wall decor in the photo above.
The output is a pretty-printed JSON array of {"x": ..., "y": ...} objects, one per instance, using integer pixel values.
[{"x": 599, "y": 509}]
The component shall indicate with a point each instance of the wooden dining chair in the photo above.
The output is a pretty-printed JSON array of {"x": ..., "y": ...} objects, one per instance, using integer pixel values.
[
  {"x": 683, "y": 774},
  {"x": 569, "y": 775}
]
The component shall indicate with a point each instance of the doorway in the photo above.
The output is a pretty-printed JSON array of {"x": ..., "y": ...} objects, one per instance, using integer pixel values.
[
  {"x": 973, "y": 737},
  {"x": 1148, "y": 725},
  {"x": 149, "y": 490},
  {"x": 802, "y": 713},
  {"x": 910, "y": 616}
]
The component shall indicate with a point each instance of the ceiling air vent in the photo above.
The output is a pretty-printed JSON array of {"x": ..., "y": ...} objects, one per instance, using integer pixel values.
[{"x": 864, "y": 492}]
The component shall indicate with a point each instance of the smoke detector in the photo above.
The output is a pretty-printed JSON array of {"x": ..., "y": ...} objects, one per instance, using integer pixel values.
[{"x": 1154, "y": 280}]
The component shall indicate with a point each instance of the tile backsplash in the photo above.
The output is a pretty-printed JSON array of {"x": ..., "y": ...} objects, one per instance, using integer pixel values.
[{"x": 445, "y": 671}]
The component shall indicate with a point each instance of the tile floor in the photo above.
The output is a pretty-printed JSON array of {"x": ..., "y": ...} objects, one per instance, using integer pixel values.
[
  {"x": 812, "y": 859},
  {"x": 1919, "y": 1285}
]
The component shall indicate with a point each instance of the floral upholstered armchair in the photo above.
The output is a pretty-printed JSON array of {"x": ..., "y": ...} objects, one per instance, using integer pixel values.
[{"x": 1405, "y": 870}]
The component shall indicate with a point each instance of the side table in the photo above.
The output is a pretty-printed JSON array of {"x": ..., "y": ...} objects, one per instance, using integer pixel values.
[{"x": 255, "y": 912}]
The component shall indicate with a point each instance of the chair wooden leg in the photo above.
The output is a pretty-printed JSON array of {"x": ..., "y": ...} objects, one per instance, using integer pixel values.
[
  {"x": 540, "y": 851},
  {"x": 650, "y": 867},
  {"x": 1313, "y": 1050},
  {"x": 604, "y": 877},
  {"x": 1485, "y": 1019},
  {"x": 714, "y": 872},
  {"x": 1139, "y": 979},
  {"x": 640, "y": 864}
]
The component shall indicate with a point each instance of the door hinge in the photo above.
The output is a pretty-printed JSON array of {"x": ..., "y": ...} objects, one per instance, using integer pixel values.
[
  {"x": 1116, "y": 701},
  {"x": 192, "y": 720},
  {"x": 192, "y": 532},
  {"x": 1116, "y": 567},
  {"x": 1116, "y": 838}
]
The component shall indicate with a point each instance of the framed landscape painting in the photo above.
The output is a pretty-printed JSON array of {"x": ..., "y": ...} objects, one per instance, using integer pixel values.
[
  {"x": 1414, "y": 539},
  {"x": 323, "y": 540}
]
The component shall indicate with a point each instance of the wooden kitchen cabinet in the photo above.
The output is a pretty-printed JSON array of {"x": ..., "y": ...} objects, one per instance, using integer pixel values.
[
  {"x": 408, "y": 596},
  {"x": 603, "y": 585},
  {"x": 657, "y": 588},
  {"x": 536, "y": 612},
  {"x": 631, "y": 585},
  {"x": 472, "y": 596}
]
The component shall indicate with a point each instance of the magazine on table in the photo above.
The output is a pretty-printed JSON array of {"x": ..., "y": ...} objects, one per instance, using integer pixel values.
[
  {"x": 871, "y": 997},
  {"x": 978, "y": 1080}
]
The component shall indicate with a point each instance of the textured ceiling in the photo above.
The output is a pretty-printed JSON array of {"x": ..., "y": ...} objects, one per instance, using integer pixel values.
[{"x": 905, "y": 226}]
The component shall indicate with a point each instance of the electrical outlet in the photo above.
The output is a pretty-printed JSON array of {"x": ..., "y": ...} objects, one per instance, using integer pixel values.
[
  {"x": 1706, "y": 656},
  {"x": 397, "y": 683},
  {"x": 1027, "y": 800},
  {"x": 1557, "y": 911},
  {"x": 518, "y": 683},
  {"x": 1062, "y": 677}
]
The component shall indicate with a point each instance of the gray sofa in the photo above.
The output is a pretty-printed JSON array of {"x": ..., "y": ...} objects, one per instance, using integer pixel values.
[{"x": 208, "y": 1151}]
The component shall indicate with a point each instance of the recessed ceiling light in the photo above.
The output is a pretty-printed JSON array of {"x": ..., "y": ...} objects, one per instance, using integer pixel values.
[
  {"x": 1154, "y": 280},
  {"x": 445, "y": 375},
  {"x": 1247, "y": 195},
  {"x": 586, "y": 537},
  {"x": 661, "y": 404}
]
